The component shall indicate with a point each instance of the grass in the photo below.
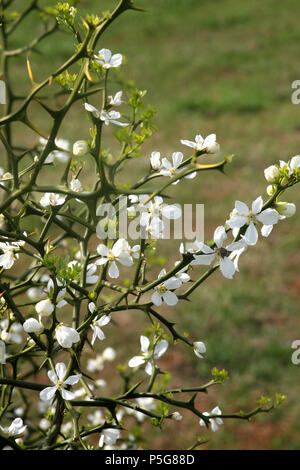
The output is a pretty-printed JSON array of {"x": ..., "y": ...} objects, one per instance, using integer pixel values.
[{"x": 224, "y": 67}]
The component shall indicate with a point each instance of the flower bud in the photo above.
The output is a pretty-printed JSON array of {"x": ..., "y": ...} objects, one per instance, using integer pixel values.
[
  {"x": 272, "y": 174},
  {"x": 176, "y": 416},
  {"x": 80, "y": 148},
  {"x": 271, "y": 189},
  {"x": 214, "y": 147},
  {"x": 295, "y": 162},
  {"x": 44, "y": 308},
  {"x": 287, "y": 209},
  {"x": 31, "y": 325}
]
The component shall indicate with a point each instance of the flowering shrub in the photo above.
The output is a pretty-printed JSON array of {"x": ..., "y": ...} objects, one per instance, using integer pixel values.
[{"x": 61, "y": 284}]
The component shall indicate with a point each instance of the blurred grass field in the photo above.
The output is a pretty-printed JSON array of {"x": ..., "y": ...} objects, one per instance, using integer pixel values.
[{"x": 226, "y": 67}]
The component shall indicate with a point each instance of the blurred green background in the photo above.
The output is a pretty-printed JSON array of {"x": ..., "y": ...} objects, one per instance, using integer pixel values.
[{"x": 222, "y": 66}]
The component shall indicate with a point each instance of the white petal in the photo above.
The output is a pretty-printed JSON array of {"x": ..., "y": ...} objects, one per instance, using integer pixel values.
[
  {"x": 156, "y": 299},
  {"x": 149, "y": 368},
  {"x": 47, "y": 393},
  {"x": 189, "y": 143},
  {"x": 136, "y": 361},
  {"x": 61, "y": 370},
  {"x": 251, "y": 235},
  {"x": 171, "y": 212},
  {"x": 170, "y": 298},
  {"x": 266, "y": 230},
  {"x": 145, "y": 343},
  {"x": 172, "y": 283},
  {"x": 241, "y": 208},
  {"x": 102, "y": 250},
  {"x": 205, "y": 260},
  {"x": 113, "y": 270},
  {"x": 227, "y": 268},
  {"x": 160, "y": 348},
  {"x": 237, "y": 221},
  {"x": 268, "y": 217},
  {"x": 257, "y": 205},
  {"x": 73, "y": 379},
  {"x": 177, "y": 158},
  {"x": 219, "y": 236},
  {"x": 67, "y": 395}
]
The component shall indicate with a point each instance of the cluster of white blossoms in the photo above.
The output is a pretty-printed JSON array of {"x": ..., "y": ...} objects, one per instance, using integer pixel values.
[
  {"x": 214, "y": 421},
  {"x": 245, "y": 223},
  {"x": 97, "y": 364},
  {"x": 108, "y": 60}
]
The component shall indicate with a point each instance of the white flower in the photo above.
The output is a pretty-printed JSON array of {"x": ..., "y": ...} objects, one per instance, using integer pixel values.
[
  {"x": 44, "y": 308},
  {"x": 31, "y": 325},
  {"x": 199, "y": 348},
  {"x": 214, "y": 422},
  {"x": 16, "y": 428},
  {"x": 146, "y": 357},
  {"x": 272, "y": 174},
  {"x": 80, "y": 148},
  {"x": 223, "y": 255},
  {"x": 151, "y": 213},
  {"x": 2, "y": 352},
  {"x": 107, "y": 60},
  {"x": 209, "y": 144},
  {"x": 176, "y": 416},
  {"x": 97, "y": 325},
  {"x": 108, "y": 117},
  {"x": 109, "y": 436},
  {"x": 170, "y": 169},
  {"x": 118, "y": 253},
  {"x": 182, "y": 274},
  {"x": 242, "y": 215},
  {"x": 52, "y": 199},
  {"x": 66, "y": 336},
  {"x": 109, "y": 354},
  {"x": 111, "y": 118},
  {"x": 76, "y": 185},
  {"x": 60, "y": 382},
  {"x": 9, "y": 256},
  {"x": 116, "y": 100},
  {"x": 162, "y": 292},
  {"x": 155, "y": 161}
]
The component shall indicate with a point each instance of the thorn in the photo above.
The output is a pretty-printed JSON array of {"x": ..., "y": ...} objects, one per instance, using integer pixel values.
[
  {"x": 30, "y": 72},
  {"x": 88, "y": 76},
  {"x": 139, "y": 9}
]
